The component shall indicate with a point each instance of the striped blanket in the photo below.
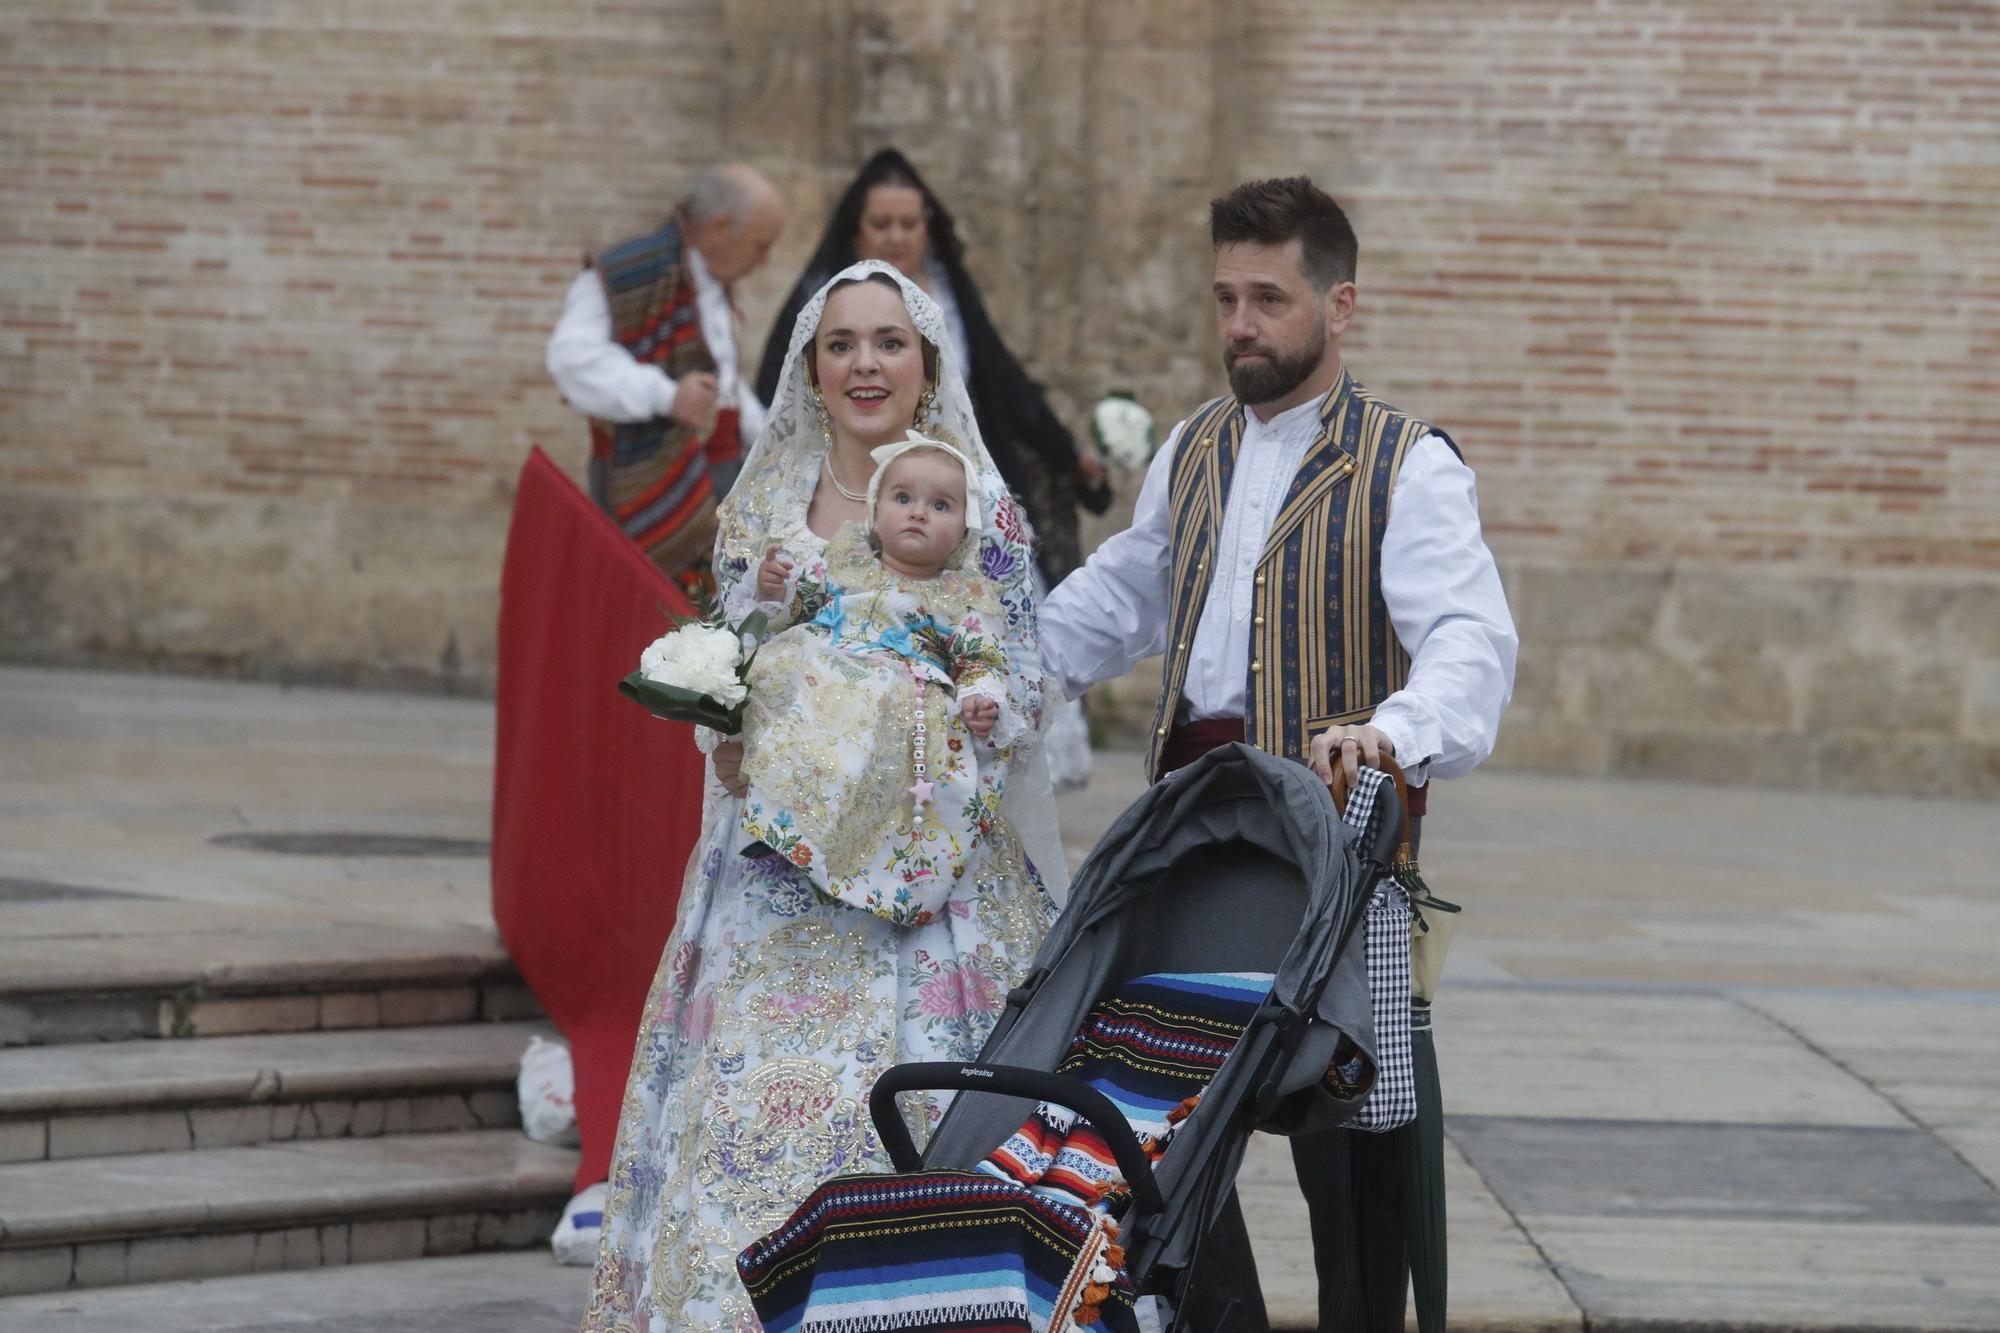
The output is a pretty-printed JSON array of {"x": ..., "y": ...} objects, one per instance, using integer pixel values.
[
  {"x": 1149, "y": 1048},
  {"x": 1026, "y": 1242}
]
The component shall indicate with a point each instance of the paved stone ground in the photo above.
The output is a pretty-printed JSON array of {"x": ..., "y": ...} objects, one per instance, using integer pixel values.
[{"x": 1714, "y": 1058}]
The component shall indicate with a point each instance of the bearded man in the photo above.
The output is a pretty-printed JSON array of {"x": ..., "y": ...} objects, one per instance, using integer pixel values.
[
  {"x": 646, "y": 348},
  {"x": 1309, "y": 561}
]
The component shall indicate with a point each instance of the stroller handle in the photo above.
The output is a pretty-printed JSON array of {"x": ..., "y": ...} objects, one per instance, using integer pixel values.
[{"x": 1012, "y": 1081}]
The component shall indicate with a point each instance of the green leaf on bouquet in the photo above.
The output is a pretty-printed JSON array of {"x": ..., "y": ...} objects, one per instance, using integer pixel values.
[
  {"x": 752, "y": 628},
  {"x": 680, "y": 705}
]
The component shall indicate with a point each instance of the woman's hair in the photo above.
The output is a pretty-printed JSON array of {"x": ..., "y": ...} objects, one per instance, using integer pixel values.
[
  {"x": 812, "y": 343},
  {"x": 887, "y": 167},
  {"x": 1271, "y": 212}
]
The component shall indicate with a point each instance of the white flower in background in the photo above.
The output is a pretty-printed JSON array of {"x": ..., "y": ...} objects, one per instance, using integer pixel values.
[
  {"x": 699, "y": 658},
  {"x": 1123, "y": 430}
]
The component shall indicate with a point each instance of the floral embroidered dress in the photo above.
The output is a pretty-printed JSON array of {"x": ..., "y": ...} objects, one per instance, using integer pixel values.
[
  {"x": 777, "y": 1007},
  {"x": 861, "y": 771}
]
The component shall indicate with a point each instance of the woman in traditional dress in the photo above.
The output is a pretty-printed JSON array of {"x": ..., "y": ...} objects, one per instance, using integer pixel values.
[
  {"x": 776, "y": 1008},
  {"x": 888, "y": 213}
]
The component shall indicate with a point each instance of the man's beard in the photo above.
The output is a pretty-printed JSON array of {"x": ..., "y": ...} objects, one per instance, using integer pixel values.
[{"x": 1271, "y": 379}]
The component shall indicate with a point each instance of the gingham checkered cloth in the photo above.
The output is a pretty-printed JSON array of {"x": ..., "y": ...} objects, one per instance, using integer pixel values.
[{"x": 1392, "y": 1102}]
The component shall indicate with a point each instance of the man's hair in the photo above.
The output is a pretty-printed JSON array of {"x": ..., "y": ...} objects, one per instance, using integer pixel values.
[
  {"x": 1271, "y": 212},
  {"x": 716, "y": 191}
]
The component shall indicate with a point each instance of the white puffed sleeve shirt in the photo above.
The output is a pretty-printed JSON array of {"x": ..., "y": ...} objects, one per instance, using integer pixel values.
[{"x": 1438, "y": 579}]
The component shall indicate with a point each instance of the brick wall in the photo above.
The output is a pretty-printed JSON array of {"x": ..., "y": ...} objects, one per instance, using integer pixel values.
[
  {"x": 1710, "y": 294},
  {"x": 1696, "y": 280},
  {"x": 277, "y": 280}
]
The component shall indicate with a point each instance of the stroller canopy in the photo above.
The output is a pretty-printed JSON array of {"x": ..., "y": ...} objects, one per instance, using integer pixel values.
[{"x": 1236, "y": 863}]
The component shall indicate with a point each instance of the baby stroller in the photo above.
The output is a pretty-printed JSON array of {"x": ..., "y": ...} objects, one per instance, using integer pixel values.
[{"x": 1235, "y": 871}]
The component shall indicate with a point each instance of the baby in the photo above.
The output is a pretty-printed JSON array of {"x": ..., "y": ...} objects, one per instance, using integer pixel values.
[{"x": 877, "y": 733}]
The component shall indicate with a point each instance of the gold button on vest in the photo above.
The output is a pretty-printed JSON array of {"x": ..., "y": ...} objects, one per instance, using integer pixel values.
[{"x": 1256, "y": 666}]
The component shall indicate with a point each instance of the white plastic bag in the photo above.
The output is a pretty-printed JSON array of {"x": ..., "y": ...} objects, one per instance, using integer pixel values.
[
  {"x": 547, "y": 1087},
  {"x": 575, "y": 1238}
]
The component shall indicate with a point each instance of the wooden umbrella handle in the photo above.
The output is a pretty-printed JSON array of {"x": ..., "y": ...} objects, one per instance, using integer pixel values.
[{"x": 1395, "y": 771}]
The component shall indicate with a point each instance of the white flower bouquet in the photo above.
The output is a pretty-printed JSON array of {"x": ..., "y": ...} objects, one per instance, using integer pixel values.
[
  {"x": 1123, "y": 430},
  {"x": 698, "y": 672}
]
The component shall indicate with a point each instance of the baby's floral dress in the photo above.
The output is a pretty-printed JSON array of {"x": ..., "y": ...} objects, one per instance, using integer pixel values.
[{"x": 864, "y": 686}]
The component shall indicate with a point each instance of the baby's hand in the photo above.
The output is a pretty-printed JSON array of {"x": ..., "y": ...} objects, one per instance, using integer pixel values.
[
  {"x": 771, "y": 577},
  {"x": 980, "y": 713}
]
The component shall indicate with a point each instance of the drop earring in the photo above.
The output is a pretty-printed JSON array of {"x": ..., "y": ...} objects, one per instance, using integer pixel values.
[{"x": 823, "y": 417}]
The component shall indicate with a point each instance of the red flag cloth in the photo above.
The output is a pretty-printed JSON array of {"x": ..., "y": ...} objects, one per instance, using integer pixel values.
[{"x": 596, "y": 805}]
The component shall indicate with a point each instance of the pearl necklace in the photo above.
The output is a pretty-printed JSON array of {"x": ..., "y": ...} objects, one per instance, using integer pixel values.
[{"x": 826, "y": 465}]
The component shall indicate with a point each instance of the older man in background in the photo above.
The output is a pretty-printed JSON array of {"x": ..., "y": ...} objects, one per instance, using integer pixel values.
[{"x": 646, "y": 349}]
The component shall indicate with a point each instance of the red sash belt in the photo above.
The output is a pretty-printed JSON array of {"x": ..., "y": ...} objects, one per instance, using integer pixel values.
[
  {"x": 1191, "y": 740},
  {"x": 725, "y": 443}
]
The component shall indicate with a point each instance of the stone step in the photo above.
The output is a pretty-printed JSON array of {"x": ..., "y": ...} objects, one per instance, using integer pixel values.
[
  {"x": 155, "y": 1217},
  {"x": 207, "y": 982},
  {"x": 476, "y": 1293},
  {"x": 163, "y": 1096}
]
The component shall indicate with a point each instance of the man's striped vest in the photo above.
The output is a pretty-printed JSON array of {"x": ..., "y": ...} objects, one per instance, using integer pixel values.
[
  {"x": 653, "y": 476},
  {"x": 1322, "y": 649}
]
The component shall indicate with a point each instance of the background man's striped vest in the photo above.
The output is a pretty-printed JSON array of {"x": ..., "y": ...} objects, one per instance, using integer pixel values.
[
  {"x": 653, "y": 476},
  {"x": 1322, "y": 649}
]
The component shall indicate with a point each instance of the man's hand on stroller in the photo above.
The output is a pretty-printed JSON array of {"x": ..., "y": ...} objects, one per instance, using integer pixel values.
[{"x": 1353, "y": 748}]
